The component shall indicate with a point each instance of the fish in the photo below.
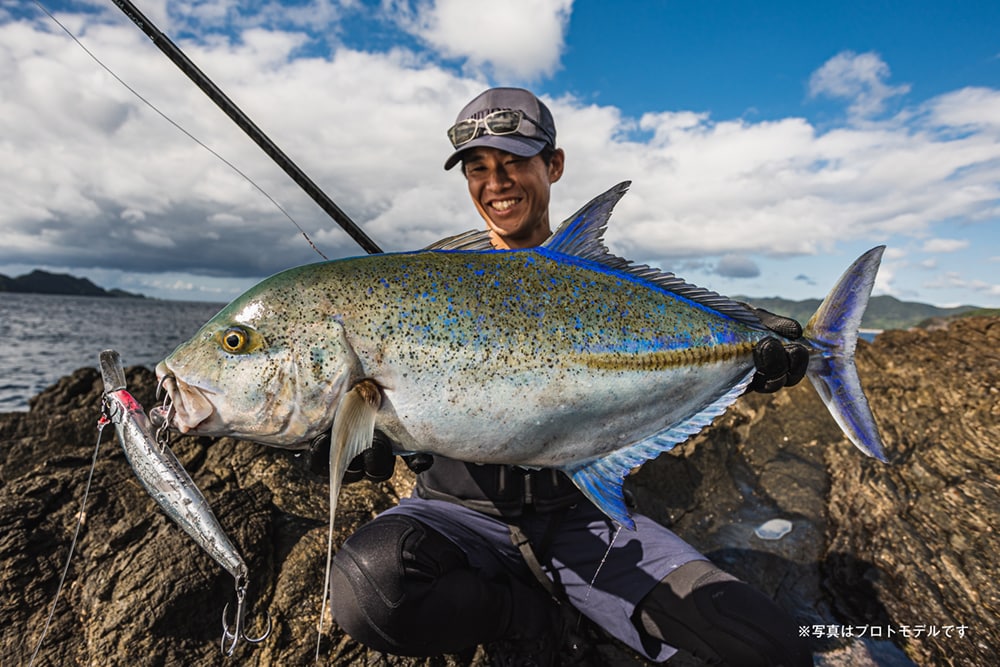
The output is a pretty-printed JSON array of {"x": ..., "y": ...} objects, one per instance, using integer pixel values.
[
  {"x": 168, "y": 483},
  {"x": 563, "y": 356}
]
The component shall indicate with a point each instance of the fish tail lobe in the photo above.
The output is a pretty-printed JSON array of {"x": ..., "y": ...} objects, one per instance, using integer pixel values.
[{"x": 833, "y": 334}]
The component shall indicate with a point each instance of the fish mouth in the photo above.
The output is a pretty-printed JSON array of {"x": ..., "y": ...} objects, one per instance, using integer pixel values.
[{"x": 185, "y": 408}]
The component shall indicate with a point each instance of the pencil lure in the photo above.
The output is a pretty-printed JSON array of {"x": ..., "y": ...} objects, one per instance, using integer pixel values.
[{"x": 166, "y": 480}]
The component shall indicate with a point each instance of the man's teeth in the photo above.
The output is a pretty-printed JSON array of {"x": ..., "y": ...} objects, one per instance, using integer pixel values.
[{"x": 503, "y": 205}]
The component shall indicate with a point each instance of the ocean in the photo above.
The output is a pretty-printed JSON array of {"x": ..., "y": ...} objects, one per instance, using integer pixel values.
[{"x": 44, "y": 337}]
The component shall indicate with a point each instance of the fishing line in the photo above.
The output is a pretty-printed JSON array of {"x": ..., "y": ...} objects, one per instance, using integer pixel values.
[
  {"x": 179, "y": 127},
  {"x": 76, "y": 533},
  {"x": 600, "y": 566}
]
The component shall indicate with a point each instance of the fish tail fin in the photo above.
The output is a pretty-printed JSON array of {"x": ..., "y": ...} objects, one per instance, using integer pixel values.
[{"x": 833, "y": 334}]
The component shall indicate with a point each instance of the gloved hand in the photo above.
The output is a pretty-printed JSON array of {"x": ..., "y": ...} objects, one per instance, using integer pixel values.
[
  {"x": 378, "y": 462},
  {"x": 778, "y": 364}
]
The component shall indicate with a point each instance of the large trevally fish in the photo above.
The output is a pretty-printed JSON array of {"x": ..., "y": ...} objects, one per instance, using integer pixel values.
[{"x": 562, "y": 356}]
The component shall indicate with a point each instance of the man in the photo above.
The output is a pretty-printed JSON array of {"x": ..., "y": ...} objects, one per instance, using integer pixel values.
[{"x": 489, "y": 554}]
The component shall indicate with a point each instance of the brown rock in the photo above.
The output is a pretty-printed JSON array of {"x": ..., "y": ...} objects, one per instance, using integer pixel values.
[
  {"x": 907, "y": 544},
  {"x": 915, "y": 544}
]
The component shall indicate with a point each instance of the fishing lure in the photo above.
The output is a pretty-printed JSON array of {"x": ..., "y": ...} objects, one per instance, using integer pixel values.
[{"x": 166, "y": 480}]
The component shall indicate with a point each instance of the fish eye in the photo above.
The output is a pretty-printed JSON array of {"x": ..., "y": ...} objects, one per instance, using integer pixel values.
[{"x": 234, "y": 339}]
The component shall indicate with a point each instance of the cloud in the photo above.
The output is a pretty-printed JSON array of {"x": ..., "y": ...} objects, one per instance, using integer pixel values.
[
  {"x": 518, "y": 39},
  {"x": 114, "y": 185},
  {"x": 737, "y": 266},
  {"x": 858, "y": 78},
  {"x": 805, "y": 279},
  {"x": 955, "y": 280},
  {"x": 944, "y": 245}
]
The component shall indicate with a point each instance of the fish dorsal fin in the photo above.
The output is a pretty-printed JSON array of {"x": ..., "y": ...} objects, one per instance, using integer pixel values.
[
  {"x": 601, "y": 480},
  {"x": 476, "y": 239},
  {"x": 582, "y": 235}
]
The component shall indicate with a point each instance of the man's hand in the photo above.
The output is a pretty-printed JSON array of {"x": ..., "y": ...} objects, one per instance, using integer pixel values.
[
  {"x": 378, "y": 462},
  {"x": 778, "y": 364}
]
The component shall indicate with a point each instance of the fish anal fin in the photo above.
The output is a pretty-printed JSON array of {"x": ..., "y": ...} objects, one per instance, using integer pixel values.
[{"x": 601, "y": 480}]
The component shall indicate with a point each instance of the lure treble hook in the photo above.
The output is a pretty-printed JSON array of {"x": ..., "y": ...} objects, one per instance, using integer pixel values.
[{"x": 232, "y": 635}]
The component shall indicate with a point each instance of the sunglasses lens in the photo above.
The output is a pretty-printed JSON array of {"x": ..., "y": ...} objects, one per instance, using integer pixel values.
[
  {"x": 506, "y": 121},
  {"x": 503, "y": 122},
  {"x": 463, "y": 132}
]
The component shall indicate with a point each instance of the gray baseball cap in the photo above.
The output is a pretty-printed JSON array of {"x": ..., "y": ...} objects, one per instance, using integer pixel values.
[{"x": 537, "y": 129}]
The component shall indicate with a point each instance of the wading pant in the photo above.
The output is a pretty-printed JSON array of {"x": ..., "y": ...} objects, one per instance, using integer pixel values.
[{"x": 431, "y": 577}]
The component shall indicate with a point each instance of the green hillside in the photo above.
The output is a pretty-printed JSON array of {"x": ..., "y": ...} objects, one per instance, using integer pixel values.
[{"x": 884, "y": 312}]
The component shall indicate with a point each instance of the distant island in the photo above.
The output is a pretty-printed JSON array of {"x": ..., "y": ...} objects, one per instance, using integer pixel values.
[{"x": 43, "y": 282}]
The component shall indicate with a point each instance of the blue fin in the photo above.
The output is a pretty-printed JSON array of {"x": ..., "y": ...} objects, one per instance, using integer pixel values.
[
  {"x": 582, "y": 236},
  {"x": 601, "y": 480},
  {"x": 833, "y": 333}
]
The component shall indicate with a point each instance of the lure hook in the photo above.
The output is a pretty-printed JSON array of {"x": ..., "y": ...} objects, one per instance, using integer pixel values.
[
  {"x": 232, "y": 634},
  {"x": 167, "y": 410},
  {"x": 159, "y": 385}
]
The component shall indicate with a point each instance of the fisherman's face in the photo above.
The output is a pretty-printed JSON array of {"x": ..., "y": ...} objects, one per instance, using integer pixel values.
[{"x": 512, "y": 194}]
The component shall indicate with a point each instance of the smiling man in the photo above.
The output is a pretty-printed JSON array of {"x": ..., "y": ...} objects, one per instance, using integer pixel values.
[
  {"x": 510, "y": 163},
  {"x": 503, "y": 556}
]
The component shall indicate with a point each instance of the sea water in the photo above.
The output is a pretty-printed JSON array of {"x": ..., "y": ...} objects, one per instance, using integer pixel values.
[{"x": 44, "y": 337}]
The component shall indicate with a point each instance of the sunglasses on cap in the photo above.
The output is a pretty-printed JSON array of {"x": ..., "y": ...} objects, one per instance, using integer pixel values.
[{"x": 504, "y": 121}]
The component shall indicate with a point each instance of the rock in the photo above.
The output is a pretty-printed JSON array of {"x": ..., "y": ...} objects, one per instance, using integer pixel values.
[
  {"x": 915, "y": 544},
  {"x": 871, "y": 545}
]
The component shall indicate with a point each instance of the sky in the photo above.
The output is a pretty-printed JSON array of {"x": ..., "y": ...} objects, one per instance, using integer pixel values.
[{"x": 768, "y": 143}]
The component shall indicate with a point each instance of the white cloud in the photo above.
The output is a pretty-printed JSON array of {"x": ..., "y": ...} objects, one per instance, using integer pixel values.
[
  {"x": 967, "y": 108},
  {"x": 954, "y": 279},
  {"x": 519, "y": 39},
  {"x": 944, "y": 245},
  {"x": 858, "y": 78},
  {"x": 368, "y": 128}
]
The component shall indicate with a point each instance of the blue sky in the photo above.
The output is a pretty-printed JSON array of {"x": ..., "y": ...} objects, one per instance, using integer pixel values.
[{"x": 768, "y": 143}]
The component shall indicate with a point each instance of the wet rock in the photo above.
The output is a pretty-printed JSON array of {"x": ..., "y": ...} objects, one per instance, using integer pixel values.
[{"x": 909, "y": 544}]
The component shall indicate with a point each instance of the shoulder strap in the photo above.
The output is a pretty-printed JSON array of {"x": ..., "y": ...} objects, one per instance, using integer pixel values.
[{"x": 523, "y": 544}]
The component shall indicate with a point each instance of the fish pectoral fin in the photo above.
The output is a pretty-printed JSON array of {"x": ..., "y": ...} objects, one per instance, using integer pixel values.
[
  {"x": 352, "y": 432},
  {"x": 354, "y": 424}
]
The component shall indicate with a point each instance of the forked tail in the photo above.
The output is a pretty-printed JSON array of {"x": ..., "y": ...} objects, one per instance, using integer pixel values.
[{"x": 833, "y": 333}]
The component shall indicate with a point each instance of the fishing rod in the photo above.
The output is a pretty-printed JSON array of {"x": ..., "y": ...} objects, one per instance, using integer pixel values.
[{"x": 214, "y": 93}]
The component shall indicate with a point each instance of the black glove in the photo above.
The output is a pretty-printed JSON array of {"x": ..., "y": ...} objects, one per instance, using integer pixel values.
[
  {"x": 378, "y": 462},
  {"x": 778, "y": 364}
]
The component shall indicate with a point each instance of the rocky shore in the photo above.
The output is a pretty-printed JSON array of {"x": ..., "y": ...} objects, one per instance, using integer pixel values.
[{"x": 884, "y": 564}]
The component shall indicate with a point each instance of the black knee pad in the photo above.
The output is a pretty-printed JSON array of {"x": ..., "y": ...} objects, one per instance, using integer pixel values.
[
  {"x": 381, "y": 576},
  {"x": 719, "y": 618}
]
